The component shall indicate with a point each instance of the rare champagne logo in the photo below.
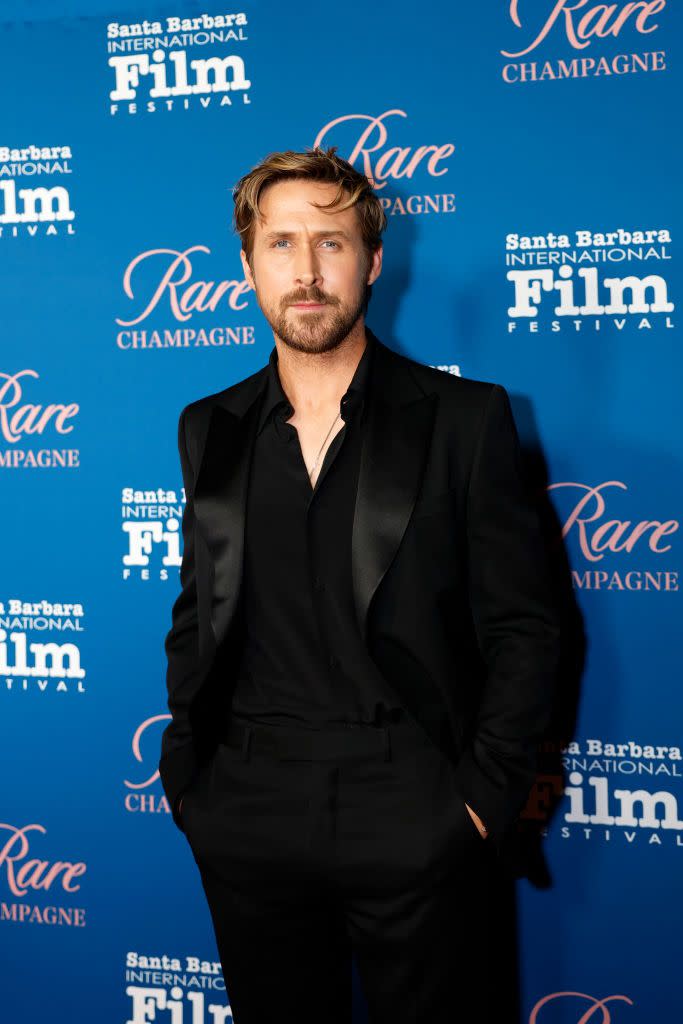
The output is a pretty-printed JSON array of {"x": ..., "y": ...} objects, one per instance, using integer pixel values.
[
  {"x": 623, "y": 553},
  {"x": 581, "y": 31},
  {"x": 28, "y": 875},
  {"x": 24, "y": 423}
]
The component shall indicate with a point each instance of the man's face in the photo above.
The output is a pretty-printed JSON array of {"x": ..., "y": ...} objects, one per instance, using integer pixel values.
[{"x": 310, "y": 269}]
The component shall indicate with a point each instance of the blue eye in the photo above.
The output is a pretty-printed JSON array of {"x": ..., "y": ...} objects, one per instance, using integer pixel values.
[{"x": 328, "y": 241}]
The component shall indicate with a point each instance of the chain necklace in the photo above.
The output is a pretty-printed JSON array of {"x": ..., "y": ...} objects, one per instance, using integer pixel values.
[{"x": 312, "y": 471}]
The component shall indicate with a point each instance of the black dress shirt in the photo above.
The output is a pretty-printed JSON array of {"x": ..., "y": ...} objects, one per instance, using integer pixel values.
[{"x": 303, "y": 660}]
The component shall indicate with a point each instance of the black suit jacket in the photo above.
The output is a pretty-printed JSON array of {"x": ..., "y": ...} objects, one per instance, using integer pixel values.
[{"x": 450, "y": 576}]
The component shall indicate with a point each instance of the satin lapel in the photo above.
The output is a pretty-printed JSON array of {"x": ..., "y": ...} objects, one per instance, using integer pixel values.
[
  {"x": 394, "y": 450},
  {"x": 220, "y": 504},
  {"x": 395, "y": 445}
]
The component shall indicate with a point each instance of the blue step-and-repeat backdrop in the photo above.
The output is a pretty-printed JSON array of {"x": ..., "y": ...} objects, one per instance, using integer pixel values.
[{"x": 528, "y": 155}]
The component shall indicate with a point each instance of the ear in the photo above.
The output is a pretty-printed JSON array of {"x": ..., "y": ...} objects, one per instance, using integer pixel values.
[
  {"x": 375, "y": 268},
  {"x": 247, "y": 270}
]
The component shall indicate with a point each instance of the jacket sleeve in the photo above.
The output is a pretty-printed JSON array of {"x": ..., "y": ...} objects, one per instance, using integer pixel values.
[
  {"x": 516, "y": 624},
  {"x": 178, "y": 763}
]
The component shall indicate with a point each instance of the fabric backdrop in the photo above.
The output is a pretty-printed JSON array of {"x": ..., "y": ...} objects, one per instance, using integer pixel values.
[{"x": 527, "y": 154}]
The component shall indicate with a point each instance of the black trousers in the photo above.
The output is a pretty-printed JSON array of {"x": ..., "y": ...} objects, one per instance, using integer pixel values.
[{"x": 318, "y": 846}]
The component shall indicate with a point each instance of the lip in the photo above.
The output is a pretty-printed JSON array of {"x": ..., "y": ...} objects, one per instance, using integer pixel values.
[{"x": 308, "y": 305}]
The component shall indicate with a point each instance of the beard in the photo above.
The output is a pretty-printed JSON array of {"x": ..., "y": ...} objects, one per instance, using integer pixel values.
[{"x": 318, "y": 330}]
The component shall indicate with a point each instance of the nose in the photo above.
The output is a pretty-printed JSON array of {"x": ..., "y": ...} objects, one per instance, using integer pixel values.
[{"x": 306, "y": 270}]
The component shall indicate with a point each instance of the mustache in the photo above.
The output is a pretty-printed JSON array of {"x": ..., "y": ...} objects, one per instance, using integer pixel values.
[{"x": 315, "y": 295}]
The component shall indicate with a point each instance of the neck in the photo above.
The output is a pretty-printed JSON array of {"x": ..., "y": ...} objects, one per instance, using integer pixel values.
[{"x": 314, "y": 382}]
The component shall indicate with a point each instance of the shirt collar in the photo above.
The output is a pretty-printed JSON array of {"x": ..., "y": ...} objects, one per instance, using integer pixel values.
[{"x": 352, "y": 398}]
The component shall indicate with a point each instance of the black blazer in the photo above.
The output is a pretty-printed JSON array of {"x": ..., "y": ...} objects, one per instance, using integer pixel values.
[{"x": 450, "y": 577}]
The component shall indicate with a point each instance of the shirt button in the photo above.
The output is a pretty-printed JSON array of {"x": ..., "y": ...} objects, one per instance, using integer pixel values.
[
  {"x": 334, "y": 661},
  {"x": 319, "y": 585}
]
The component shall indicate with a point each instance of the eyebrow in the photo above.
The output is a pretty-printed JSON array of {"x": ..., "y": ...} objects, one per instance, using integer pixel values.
[{"x": 316, "y": 234}]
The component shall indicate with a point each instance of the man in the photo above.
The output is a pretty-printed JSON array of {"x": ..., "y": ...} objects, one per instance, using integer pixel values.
[{"x": 362, "y": 655}]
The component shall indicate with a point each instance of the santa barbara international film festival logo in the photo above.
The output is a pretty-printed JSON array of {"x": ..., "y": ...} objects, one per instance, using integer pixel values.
[
  {"x": 177, "y": 64},
  {"x": 172, "y": 295},
  {"x": 619, "y": 552},
  {"x": 40, "y": 646},
  {"x": 623, "y": 793},
  {"x": 30, "y": 871},
  {"x": 35, "y": 198},
  {"x": 22, "y": 419},
  {"x": 178, "y": 990},
  {"x": 151, "y": 521},
  {"x": 560, "y": 39},
  {"x": 589, "y": 280}
]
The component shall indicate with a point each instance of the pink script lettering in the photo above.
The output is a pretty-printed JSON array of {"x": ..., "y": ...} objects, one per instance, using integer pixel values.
[
  {"x": 16, "y": 419},
  {"x": 596, "y": 1006},
  {"x": 396, "y": 162},
  {"x": 137, "y": 752},
  {"x": 613, "y": 535},
  {"x": 198, "y": 297},
  {"x": 600, "y": 20},
  {"x": 24, "y": 874}
]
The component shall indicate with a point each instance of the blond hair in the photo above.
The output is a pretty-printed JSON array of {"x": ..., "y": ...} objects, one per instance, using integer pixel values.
[{"x": 315, "y": 164}]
